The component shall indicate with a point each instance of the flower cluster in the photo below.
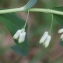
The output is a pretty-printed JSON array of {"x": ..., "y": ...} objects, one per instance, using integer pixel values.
[
  {"x": 20, "y": 35},
  {"x": 45, "y": 39},
  {"x": 61, "y": 31}
]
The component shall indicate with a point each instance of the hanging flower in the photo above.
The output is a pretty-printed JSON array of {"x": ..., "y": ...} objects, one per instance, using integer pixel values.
[
  {"x": 61, "y": 37},
  {"x": 45, "y": 39},
  {"x": 16, "y": 35},
  {"x": 20, "y": 35},
  {"x": 61, "y": 31}
]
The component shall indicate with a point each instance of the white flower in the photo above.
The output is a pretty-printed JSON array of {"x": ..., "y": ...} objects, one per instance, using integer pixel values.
[
  {"x": 47, "y": 41},
  {"x": 20, "y": 35},
  {"x": 60, "y": 31},
  {"x": 16, "y": 35},
  {"x": 43, "y": 37},
  {"x": 61, "y": 37}
]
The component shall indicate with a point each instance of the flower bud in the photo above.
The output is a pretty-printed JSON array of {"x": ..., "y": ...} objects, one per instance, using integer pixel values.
[
  {"x": 22, "y": 37},
  {"x": 47, "y": 41},
  {"x": 60, "y": 31},
  {"x": 16, "y": 35},
  {"x": 61, "y": 37},
  {"x": 45, "y": 35}
]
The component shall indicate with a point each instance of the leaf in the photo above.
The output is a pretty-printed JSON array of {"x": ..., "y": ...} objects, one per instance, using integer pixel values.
[
  {"x": 30, "y": 4},
  {"x": 20, "y": 51},
  {"x": 58, "y": 8},
  {"x": 59, "y": 18},
  {"x": 13, "y": 23}
]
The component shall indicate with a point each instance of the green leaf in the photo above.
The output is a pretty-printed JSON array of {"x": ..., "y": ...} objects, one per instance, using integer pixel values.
[
  {"x": 30, "y": 4},
  {"x": 14, "y": 23},
  {"x": 58, "y": 8},
  {"x": 59, "y": 18},
  {"x": 19, "y": 50}
]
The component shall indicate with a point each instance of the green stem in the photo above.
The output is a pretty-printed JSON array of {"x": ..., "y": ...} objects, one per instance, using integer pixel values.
[
  {"x": 9, "y": 10},
  {"x": 46, "y": 11},
  {"x": 26, "y": 19},
  {"x": 51, "y": 24},
  {"x": 32, "y": 10}
]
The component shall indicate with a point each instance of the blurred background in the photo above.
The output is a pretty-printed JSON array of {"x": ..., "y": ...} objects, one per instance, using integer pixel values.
[{"x": 38, "y": 23}]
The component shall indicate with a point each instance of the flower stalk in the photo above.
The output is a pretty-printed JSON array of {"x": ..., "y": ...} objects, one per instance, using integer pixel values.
[{"x": 31, "y": 10}]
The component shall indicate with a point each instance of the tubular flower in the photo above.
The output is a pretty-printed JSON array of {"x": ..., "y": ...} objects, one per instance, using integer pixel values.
[
  {"x": 45, "y": 39},
  {"x": 20, "y": 35},
  {"x": 61, "y": 37},
  {"x": 16, "y": 35},
  {"x": 61, "y": 31}
]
